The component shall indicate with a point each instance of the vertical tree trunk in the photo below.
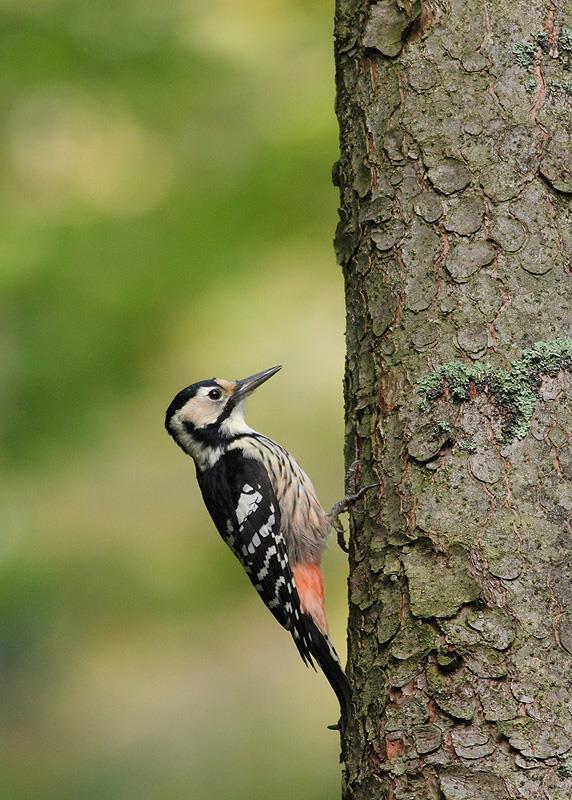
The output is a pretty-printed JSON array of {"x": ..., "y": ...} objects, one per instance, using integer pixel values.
[{"x": 454, "y": 236}]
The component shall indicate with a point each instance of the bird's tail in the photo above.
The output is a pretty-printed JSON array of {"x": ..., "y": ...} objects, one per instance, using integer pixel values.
[
  {"x": 312, "y": 636},
  {"x": 323, "y": 652}
]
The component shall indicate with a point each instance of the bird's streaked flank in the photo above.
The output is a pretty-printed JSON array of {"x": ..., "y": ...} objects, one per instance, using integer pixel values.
[{"x": 265, "y": 508}]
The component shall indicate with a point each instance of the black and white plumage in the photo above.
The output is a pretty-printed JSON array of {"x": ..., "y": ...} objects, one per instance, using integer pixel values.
[
  {"x": 265, "y": 508},
  {"x": 241, "y": 501}
]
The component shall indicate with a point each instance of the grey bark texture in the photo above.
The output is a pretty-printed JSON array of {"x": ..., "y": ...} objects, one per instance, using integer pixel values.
[{"x": 455, "y": 237}]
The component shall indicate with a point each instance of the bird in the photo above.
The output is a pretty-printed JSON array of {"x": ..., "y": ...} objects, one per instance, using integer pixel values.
[{"x": 266, "y": 509}]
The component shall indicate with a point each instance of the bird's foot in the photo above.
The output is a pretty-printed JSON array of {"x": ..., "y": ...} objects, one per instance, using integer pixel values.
[{"x": 343, "y": 505}]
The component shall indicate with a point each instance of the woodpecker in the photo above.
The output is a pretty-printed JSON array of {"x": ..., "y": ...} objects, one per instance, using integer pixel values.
[{"x": 266, "y": 510}]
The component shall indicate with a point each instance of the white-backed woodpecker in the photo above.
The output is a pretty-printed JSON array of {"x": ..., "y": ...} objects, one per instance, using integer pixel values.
[{"x": 265, "y": 508}]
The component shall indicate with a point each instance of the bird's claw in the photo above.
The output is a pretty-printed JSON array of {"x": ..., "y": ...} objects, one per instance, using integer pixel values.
[
  {"x": 352, "y": 475},
  {"x": 347, "y": 502},
  {"x": 340, "y": 536}
]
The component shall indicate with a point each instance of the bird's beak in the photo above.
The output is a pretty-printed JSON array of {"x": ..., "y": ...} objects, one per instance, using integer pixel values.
[{"x": 247, "y": 385}]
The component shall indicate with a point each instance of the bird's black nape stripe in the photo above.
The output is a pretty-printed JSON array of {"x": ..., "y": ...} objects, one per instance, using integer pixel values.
[{"x": 207, "y": 435}]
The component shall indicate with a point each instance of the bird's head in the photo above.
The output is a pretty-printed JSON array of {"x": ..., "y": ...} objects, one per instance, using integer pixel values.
[{"x": 209, "y": 413}]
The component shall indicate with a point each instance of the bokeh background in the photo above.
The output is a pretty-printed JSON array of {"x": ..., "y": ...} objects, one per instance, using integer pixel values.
[{"x": 167, "y": 215}]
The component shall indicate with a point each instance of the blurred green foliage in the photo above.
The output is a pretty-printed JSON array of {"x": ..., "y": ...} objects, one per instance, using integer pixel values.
[{"x": 166, "y": 215}]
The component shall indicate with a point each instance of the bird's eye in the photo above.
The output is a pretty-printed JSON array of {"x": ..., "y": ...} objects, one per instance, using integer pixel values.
[{"x": 215, "y": 394}]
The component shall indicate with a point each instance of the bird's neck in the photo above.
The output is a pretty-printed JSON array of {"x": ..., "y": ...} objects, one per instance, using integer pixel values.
[{"x": 206, "y": 445}]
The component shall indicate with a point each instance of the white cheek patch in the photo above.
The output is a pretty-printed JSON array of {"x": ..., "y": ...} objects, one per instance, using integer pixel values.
[{"x": 200, "y": 411}]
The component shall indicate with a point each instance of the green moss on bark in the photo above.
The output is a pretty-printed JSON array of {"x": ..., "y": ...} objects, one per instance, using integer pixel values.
[{"x": 515, "y": 392}]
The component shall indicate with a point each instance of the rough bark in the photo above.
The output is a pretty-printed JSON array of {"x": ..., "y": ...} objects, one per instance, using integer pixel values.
[{"x": 455, "y": 240}]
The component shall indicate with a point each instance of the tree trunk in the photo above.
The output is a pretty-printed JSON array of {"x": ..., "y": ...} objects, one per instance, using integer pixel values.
[{"x": 454, "y": 236}]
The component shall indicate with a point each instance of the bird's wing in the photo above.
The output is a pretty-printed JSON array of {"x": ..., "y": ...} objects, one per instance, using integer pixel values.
[{"x": 241, "y": 501}]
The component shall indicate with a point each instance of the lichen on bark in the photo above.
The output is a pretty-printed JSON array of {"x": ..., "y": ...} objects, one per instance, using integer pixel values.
[
  {"x": 515, "y": 393},
  {"x": 454, "y": 238}
]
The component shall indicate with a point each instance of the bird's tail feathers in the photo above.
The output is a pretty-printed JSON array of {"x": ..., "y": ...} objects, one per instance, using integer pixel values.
[{"x": 322, "y": 650}]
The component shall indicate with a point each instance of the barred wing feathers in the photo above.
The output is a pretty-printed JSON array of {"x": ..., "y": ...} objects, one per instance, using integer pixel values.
[{"x": 241, "y": 501}]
